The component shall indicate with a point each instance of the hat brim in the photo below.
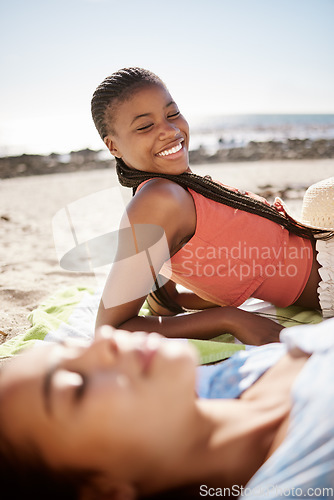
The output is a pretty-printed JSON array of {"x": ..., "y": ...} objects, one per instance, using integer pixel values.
[{"x": 279, "y": 201}]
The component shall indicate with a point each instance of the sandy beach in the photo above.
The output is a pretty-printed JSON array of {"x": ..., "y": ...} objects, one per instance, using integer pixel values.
[{"x": 30, "y": 270}]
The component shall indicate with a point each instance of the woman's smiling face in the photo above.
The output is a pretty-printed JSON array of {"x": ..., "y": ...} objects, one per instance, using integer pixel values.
[
  {"x": 101, "y": 407},
  {"x": 150, "y": 134}
]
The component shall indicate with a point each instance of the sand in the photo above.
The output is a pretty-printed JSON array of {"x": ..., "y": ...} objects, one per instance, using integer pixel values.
[{"x": 30, "y": 270}]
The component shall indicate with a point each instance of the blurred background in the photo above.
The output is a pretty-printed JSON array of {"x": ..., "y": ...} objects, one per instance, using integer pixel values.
[{"x": 240, "y": 70}]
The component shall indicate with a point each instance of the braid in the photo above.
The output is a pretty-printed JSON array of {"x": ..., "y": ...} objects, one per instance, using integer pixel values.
[{"x": 129, "y": 177}]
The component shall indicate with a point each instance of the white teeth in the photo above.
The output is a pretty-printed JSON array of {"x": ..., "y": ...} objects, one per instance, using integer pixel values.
[{"x": 167, "y": 152}]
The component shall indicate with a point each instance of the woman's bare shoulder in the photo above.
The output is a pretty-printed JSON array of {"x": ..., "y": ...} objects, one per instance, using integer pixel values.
[
  {"x": 166, "y": 204},
  {"x": 161, "y": 199},
  {"x": 165, "y": 188}
]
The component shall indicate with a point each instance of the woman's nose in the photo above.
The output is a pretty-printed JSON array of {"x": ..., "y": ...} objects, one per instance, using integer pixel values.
[
  {"x": 103, "y": 351},
  {"x": 168, "y": 129}
]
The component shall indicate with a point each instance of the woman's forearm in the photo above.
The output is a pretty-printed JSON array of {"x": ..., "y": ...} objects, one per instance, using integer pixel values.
[{"x": 207, "y": 324}]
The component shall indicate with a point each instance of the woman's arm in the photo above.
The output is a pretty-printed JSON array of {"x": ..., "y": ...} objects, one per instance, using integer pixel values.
[
  {"x": 157, "y": 219},
  {"x": 248, "y": 327}
]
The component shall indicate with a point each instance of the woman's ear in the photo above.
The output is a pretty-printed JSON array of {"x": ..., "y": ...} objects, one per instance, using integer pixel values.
[{"x": 110, "y": 143}]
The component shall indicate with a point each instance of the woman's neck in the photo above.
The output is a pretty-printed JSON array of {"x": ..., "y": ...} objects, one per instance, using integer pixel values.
[
  {"x": 249, "y": 430},
  {"x": 223, "y": 444},
  {"x": 242, "y": 436}
]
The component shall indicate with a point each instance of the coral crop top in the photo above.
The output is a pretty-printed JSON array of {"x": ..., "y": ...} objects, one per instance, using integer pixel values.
[{"x": 234, "y": 255}]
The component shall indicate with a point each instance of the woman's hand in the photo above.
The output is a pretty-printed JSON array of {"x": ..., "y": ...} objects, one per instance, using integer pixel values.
[{"x": 250, "y": 328}]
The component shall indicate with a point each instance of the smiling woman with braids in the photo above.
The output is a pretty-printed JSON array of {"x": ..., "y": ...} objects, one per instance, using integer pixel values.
[{"x": 223, "y": 245}]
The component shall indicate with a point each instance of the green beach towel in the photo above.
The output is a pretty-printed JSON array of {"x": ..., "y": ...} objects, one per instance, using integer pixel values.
[{"x": 71, "y": 313}]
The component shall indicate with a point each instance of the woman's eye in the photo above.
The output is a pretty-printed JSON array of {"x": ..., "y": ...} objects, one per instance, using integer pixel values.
[
  {"x": 174, "y": 115},
  {"x": 146, "y": 127}
]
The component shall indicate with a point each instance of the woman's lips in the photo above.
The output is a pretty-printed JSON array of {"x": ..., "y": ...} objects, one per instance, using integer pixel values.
[{"x": 171, "y": 150}]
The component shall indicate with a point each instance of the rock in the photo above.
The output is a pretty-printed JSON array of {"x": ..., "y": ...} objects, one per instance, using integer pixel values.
[
  {"x": 292, "y": 149},
  {"x": 17, "y": 166},
  {"x": 86, "y": 159}
]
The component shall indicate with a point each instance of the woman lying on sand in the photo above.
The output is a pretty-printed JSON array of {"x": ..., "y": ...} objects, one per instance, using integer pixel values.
[
  {"x": 225, "y": 245},
  {"x": 128, "y": 417}
]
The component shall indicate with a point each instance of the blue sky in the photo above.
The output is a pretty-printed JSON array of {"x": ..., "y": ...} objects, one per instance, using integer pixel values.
[{"x": 216, "y": 57}]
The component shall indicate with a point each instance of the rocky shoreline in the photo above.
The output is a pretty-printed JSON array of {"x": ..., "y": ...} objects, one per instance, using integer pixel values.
[
  {"x": 87, "y": 159},
  {"x": 26, "y": 164},
  {"x": 291, "y": 149}
]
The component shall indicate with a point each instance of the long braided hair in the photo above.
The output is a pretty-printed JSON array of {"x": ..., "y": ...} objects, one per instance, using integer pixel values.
[{"x": 120, "y": 86}]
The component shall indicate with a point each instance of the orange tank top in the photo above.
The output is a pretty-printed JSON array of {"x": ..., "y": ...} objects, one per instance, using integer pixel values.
[{"x": 234, "y": 255}]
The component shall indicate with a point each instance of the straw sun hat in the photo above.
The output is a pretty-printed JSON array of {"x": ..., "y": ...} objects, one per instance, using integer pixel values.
[{"x": 318, "y": 206}]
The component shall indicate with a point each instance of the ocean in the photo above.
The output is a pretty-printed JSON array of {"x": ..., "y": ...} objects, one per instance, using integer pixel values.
[{"x": 230, "y": 131}]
